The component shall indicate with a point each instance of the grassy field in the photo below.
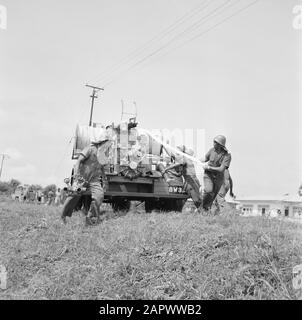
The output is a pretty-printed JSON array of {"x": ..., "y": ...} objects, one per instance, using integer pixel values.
[{"x": 146, "y": 256}]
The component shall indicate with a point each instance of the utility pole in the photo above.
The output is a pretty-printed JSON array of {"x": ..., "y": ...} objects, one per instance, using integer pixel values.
[
  {"x": 95, "y": 90},
  {"x": 2, "y": 160}
]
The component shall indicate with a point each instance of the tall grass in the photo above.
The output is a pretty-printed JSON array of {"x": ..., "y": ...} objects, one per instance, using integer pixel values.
[{"x": 146, "y": 256}]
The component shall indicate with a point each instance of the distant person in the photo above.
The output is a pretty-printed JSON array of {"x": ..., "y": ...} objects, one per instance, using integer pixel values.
[
  {"x": 63, "y": 195},
  {"x": 186, "y": 168},
  {"x": 27, "y": 193},
  {"x": 90, "y": 167},
  {"x": 218, "y": 160},
  {"x": 31, "y": 195},
  {"x": 50, "y": 197},
  {"x": 39, "y": 196},
  {"x": 58, "y": 197}
]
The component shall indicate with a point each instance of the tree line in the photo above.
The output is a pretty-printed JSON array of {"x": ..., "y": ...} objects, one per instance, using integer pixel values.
[{"x": 9, "y": 187}]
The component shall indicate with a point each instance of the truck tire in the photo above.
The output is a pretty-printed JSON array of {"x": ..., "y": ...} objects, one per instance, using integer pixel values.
[
  {"x": 179, "y": 204},
  {"x": 172, "y": 205},
  {"x": 149, "y": 206},
  {"x": 120, "y": 205}
]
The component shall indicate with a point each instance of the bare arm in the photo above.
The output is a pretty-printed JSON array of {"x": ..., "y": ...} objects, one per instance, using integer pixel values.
[
  {"x": 82, "y": 157},
  {"x": 217, "y": 169},
  {"x": 172, "y": 166},
  {"x": 78, "y": 164},
  {"x": 206, "y": 157},
  {"x": 224, "y": 164}
]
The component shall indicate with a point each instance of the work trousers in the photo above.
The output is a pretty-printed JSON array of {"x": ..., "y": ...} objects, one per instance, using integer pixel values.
[
  {"x": 212, "y": 185},
  {"x": 192, "y": 187},
  {"x": 97, "y": 197},
  {"x": 220, "y": 202}
]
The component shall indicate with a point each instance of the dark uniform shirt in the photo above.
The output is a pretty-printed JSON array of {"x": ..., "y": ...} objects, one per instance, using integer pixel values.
[
  {"x": 216, "y": 159},
  {"x": 91, "y": 169}
]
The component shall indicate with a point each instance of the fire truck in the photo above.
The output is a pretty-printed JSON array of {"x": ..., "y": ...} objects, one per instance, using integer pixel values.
[{"x": 134, "y": 168}]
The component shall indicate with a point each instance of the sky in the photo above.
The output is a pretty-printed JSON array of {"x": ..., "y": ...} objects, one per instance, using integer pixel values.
[{"x": 238, "y": 76}]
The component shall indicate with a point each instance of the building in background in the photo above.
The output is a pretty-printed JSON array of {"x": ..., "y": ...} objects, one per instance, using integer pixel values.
[{"x": 287, "y": 206}]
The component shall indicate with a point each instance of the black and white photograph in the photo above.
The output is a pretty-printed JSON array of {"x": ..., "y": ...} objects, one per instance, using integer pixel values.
[{"x": 150, "y": 151}]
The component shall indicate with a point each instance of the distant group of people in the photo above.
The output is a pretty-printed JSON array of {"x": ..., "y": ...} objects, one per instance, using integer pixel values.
[
  {"x": 47, "y": 198},
  {"x": 28, "y": 195},
  {"x": 217, "y": 179},
  {"x": 56, "y": 198}
]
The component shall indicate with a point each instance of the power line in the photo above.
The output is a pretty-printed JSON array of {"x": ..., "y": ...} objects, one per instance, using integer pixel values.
[
  {"x": 167, "y": 44},
  {"x": 196, "y": 25},
  {"x": 160, "y": 36},
  {"x": 217, "y": 24},
  {"x": 197, "y": 36},
  {"x": 193, "y": 26}
]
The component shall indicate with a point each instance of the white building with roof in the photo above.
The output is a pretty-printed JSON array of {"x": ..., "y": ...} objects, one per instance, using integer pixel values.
[{"x": 287, "y": 205}]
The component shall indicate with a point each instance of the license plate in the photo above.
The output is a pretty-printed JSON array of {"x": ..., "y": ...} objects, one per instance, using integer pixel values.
[{"x": 175, "y": 190}]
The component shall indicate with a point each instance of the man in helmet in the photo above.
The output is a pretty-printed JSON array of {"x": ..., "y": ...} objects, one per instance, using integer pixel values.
[
  {"x": 218, "y": 160},
  {"x": 90, "y": 167},
  {"x": 186, "y": 168}
]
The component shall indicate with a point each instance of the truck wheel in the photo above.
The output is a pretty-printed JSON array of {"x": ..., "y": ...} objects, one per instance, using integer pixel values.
[
  {"x": 165, "y": 205},
  {"x": 179, "y": 204},
  {"x": 149, "y": 206},
  {"x": 121, "y": 205},
  {"x": 172, "y": 205}
]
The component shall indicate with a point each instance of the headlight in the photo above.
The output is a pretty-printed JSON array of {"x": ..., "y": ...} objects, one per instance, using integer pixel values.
[{"x": 133, "y": 165}]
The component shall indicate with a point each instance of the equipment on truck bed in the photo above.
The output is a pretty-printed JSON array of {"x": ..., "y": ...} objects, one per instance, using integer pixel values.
[{"x": 133, "y": 167}]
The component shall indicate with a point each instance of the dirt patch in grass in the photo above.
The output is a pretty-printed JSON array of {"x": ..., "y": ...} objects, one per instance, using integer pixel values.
[{"x": 146, "y": 256}]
